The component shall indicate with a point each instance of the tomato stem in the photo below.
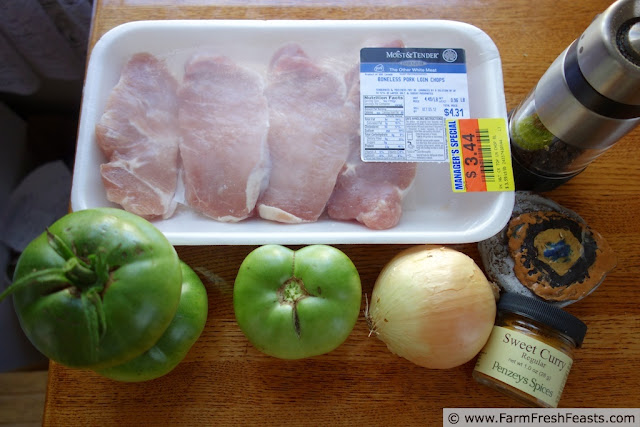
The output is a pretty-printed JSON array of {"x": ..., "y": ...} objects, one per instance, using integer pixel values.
[
  {"x": 81, "y": 273},
  {"x": 51, "y": 278},
  {"x": 72, "y": 273},
  {"x": 59, "y": 245},
  {"x": 78, "y": 274},
  {"x": 292, "y": 291}
]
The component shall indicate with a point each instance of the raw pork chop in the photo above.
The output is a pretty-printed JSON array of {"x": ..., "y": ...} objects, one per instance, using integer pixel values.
[
  {"x": 224, "y": 120},
  {"x": 307, "y": 139},
  {"x": 368, "y": 192},
  {"x": 138, "y": 133}
]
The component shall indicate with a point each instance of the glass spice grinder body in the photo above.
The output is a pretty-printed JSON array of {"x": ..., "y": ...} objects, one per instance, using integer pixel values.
[{"x": 585, "y": 102}]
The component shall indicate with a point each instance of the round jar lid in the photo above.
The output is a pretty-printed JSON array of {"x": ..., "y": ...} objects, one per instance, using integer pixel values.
[
  {"x": 546, "y": 251},
  {"x": 543, "y": 312}
]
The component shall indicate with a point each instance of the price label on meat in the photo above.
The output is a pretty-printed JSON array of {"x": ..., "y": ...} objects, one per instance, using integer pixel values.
[
  {"x": 480, "y": 155},
  {"x": 405, "y": 96}
]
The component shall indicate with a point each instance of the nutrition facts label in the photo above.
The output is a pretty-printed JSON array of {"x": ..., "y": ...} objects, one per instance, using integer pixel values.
[
  {"x": 406, "y": 95},
  {"x": 384, "y": 122}
]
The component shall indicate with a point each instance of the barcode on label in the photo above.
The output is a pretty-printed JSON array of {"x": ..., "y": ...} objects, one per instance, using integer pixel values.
[
  {"x": 480, "y": 157},
  {"x": 486, "y": 156}
]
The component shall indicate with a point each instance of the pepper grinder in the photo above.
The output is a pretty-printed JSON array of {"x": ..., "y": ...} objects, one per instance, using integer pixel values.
[{"x": 585, "y": 102}]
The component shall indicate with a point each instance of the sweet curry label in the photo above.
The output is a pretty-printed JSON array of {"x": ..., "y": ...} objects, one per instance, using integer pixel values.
[
  {"x": 525, "y": 363},
  {"x": 479, "y": 155}
]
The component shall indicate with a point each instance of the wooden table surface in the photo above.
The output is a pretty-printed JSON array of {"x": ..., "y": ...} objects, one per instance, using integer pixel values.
[{"x": 225, "y": 381}]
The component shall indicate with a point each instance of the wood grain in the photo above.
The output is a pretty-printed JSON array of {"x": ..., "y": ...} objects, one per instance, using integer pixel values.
[
  {"x": 224, "y": 381},
  {"x": 22, "y": 397}
]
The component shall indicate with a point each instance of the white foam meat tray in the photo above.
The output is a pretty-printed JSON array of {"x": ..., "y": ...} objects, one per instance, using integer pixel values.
[{"x": 433, "y": 213}]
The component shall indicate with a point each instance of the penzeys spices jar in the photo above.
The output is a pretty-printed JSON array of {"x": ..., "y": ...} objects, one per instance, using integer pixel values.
[{"x": 529, "y": 353}]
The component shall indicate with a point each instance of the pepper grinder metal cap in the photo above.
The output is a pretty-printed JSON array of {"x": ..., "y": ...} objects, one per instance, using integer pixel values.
[{"x": 585, "y": 102}]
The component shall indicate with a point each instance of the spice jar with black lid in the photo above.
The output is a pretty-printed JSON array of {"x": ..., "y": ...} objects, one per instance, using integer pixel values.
[{"x": 530, "y": 351}]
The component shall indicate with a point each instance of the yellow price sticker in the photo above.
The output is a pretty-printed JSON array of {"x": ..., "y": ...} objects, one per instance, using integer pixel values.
[{"x": 479, "y": 155}]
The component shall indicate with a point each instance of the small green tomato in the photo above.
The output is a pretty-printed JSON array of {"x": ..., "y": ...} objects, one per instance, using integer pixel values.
[{"x": 297, "y": 304}]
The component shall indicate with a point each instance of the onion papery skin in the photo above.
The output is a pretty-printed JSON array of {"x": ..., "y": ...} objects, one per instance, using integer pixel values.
[{"x": 433, "y": 306}]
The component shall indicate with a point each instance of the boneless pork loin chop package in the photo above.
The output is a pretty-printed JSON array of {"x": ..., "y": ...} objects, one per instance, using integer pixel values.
[{"x": 294, "y": 132}]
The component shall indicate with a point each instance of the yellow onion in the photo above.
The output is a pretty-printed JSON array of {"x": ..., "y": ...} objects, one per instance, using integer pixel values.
[{"x": 433, "y": 306}]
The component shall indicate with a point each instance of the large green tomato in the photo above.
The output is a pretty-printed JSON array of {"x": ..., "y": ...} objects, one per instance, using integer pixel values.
[
  {"x": 175, "y": 343},
  {"x": 297, "y": 304},
  {"x": 98, "y": 288}
]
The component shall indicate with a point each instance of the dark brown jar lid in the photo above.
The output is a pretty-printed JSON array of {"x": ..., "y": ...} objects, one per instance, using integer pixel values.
[{"x": 545, "y": 313}]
